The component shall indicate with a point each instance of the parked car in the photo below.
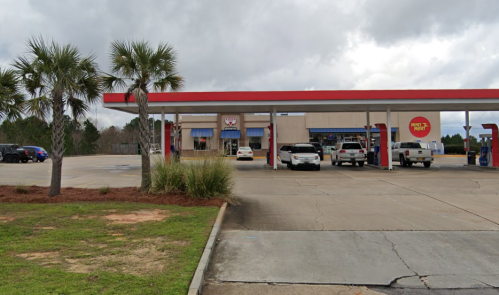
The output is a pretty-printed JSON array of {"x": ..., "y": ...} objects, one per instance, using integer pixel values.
[
  {"x": 12, "y": 153},
  {"x": 300, "y": 155},
  {"x": 39, "y": 152},
  {"x": 411, "y": 152},
  {"x": 348, "y": 152},
  {"x": 244, "y": 152}
]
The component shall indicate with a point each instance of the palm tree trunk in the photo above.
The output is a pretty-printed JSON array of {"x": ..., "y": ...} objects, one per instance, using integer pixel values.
[
  {"x": 57, "y": 145},
  {"x": 144, "y": 139}
]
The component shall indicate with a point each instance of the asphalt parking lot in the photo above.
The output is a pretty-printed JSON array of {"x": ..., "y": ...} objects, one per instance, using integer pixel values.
[{"x": 412, "y": 229}]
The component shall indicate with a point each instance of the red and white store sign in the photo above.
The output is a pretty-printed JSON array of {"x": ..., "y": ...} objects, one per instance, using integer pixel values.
[
  {"x": 230, "y": 121},
  {"x": 420, "y": 127}
]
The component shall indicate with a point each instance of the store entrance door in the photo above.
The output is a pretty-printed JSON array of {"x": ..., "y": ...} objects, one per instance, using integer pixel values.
[{"x": 231, "y": 146}]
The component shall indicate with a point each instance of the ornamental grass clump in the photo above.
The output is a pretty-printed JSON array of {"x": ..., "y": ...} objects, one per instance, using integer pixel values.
[
  {"x": 168, "y": 176},
  {"x": 209, "y": 178}
]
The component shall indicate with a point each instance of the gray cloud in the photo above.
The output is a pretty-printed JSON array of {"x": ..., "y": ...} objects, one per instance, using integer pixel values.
[{"x": 279, "y": 45}]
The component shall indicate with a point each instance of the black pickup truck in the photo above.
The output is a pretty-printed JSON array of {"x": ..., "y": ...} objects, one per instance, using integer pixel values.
[{"x": 12, "y": 153}]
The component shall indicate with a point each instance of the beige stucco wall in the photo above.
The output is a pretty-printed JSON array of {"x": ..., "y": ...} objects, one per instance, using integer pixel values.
[
  {"x": 291, "y": 129},
  {"x": 347, "y": 120}
]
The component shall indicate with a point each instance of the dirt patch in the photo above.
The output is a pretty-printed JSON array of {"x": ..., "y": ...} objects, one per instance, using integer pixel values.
[
  {"x": 138, "y": 216},
  {"x": 38, "y": 194},
  {"x": 5, "y": 219},
  {"x": 45, "y": 227},
  {"x": 141, "y": 261},
  {"x": 44, "y": 258}
]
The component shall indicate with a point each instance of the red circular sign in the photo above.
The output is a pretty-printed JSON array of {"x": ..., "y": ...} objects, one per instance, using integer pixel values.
[{"x": 420, "y": 127}]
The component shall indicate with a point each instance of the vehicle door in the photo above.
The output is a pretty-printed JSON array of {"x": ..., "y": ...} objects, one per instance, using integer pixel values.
[
  {"x": 283, "y": 153},
  {"x": 395, "y": 151}
]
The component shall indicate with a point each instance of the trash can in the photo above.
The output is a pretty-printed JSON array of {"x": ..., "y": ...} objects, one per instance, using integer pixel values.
[
  {"x": 471, "y": 158},
  {"x": 268, "y": 157},
  {"x": 370, "y": 158}
]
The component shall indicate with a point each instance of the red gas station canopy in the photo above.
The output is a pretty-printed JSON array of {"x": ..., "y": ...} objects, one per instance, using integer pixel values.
[{"x": 313, "y": 101}]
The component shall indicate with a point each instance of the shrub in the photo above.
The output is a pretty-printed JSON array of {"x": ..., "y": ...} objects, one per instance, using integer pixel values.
[
  {"x": 21, "y": 189},
  {"x": 168, "y": 176},
  {"x": 104, "y": 190},
  {"x": 209, "y": 178}
]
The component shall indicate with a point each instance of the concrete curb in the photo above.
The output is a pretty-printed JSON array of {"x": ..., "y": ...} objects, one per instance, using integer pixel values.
[{"x": 197, "y": 281}]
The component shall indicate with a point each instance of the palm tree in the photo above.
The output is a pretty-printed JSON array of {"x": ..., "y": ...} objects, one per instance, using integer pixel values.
[
  {"x": 11, "y": 98},
  {"x": 136, "y": 67},
  {"x": 58, "y": 77}
]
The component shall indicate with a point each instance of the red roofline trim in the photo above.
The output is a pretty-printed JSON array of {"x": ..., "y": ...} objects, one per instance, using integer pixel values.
[{"x": 311, "y": 95}]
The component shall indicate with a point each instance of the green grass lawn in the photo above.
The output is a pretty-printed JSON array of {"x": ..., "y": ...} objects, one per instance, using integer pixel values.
[{"x": 99, "y": 248}]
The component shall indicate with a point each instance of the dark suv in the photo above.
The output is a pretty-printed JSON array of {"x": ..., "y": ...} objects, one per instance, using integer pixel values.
[{"x": 319, "y": 149}]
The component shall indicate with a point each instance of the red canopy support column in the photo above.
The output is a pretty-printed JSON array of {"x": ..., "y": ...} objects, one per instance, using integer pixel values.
[
  {"x": 495, "y": 143},
  {"x": 383, "y": 149},
  {"x": 168, "y": 139}
]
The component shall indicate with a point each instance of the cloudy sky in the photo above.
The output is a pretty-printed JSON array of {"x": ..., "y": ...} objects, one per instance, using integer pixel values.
[{"x": 233, "y": 45}]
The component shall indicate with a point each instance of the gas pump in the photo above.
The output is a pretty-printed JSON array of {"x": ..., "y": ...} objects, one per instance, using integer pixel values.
[
  {"x": 486, "y": 155},
  {"x": 377, "y": 149}
]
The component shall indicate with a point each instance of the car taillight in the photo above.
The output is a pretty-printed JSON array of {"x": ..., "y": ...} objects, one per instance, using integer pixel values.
[
  {"x": 342, "y": 151},
  {"x": 39, "y": 152},
  {"x": 407, "y": 152},
  {"x": 322, "y": 149},
  {"x": 239, "y": 152},
  {"x": 432, "y": 153},
  {"x": 26, "y": 152},
  {"x": 361, "y": 151},
  {"x": 250, "y": 152}
]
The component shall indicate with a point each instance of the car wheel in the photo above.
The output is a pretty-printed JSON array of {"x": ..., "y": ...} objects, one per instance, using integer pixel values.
[
  {"x": 409, "y": 164},
  {"x": 8, "y": 159},
  {"x": 24, "y": 160},
  {"x": 16, "y": 159},
  {"x": 41, "y": 160},
  {"x": 35, "y": 159},
  {"x": 288, "y": 164},
  {"x": 403, "y": 163},
  {"x": 361, "y": 164},
  {"x": 354, "y": 163},
  {"x": 338, "y": 162},
  {"x": 427, "y": 164},
  {"x": 322, "y": 158},
  {"x": 318, "y": 168},
  {"x": 332, "y": 161}
]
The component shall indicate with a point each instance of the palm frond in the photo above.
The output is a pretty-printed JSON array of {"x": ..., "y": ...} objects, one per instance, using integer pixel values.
[{"x": 39, "y": 107}]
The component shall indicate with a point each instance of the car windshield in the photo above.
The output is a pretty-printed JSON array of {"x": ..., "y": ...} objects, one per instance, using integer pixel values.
[
  {"x": 303, "y": 149},
  {"x": 351, "y": 146},
  {"x": 245, "y": 148},
  {"x": 410, "y": 145}
]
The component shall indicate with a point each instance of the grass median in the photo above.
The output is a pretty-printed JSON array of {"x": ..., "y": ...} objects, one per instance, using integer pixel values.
[{"x": 101, "y": 248}]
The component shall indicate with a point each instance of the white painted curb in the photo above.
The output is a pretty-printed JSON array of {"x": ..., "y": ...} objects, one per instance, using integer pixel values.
[{"x": 197, "y": 281}]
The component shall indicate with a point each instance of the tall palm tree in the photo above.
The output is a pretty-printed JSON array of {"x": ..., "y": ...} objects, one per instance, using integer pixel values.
[
  {"x": 136, "y": 67},
  {"x": 58, "y": 78},
  {"x": 11, "y": 98}
]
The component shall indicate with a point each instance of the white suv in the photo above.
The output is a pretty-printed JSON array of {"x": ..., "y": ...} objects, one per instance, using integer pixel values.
[
  {"x": 300, "y": 155},
  {"x": 351, "y": 152}
]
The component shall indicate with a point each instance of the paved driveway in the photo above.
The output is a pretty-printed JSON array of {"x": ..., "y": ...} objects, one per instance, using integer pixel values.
[{"x": 411, "y": 229}]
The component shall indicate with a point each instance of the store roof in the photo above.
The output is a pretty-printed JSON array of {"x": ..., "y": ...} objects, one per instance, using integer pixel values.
[{"x": 312, "y": 101}]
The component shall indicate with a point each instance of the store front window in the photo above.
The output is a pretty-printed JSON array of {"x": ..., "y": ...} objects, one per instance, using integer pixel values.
[
  {"x": 202, "y": 144},
  {"x": 255, "y": 143}
]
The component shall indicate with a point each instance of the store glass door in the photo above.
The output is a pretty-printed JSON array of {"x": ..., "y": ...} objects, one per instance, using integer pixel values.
[{"x": 231, "y": 146}]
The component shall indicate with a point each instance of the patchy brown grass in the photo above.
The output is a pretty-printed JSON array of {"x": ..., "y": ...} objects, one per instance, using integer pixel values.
[{"x": 38, "y": 194}]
